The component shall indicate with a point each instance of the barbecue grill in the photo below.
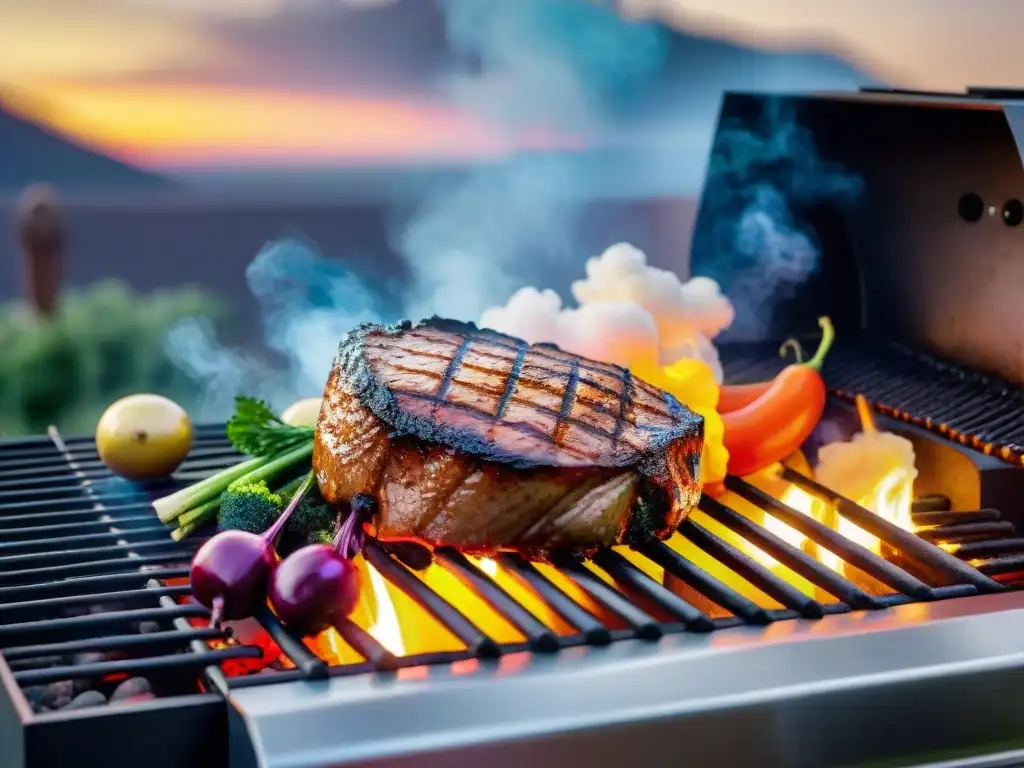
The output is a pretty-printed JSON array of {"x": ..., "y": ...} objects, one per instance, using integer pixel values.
[{"x": 731, "y": 644}]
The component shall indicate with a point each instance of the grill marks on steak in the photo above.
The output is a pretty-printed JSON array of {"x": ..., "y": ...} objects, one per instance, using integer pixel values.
[
  {"x": 478, "y": 440},
  {"x": 558, "y": 408}
]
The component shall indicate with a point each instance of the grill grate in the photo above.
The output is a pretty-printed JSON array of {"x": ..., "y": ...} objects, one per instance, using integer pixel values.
[
  {"x": 980, "y": 537},
  {"x": 967, "y": 406},
  {"x": 82, "y": 567},
  {"x": 73, "y": 537}
]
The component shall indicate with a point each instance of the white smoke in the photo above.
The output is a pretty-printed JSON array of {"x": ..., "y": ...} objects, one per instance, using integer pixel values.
[
  {"x": 307, "y": 304},
  {"x": 534, "y": 68},
  {"x": 528, "y": 68},
  {"x": 630, "y": 313}
]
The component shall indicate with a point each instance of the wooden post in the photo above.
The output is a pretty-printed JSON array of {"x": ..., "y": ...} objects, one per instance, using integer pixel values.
[{"x": 42, "y": 240}]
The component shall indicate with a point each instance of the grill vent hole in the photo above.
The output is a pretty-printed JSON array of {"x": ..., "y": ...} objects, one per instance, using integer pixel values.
[
  {"x": 971, "y": 207},
  {"x": 1013, "y": 213}
]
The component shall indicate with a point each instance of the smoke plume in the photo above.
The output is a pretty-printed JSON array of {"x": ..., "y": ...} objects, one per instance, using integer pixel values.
[
  {"x": 629, "y": 313},
  {"x": 756, "y": 246},
  {"x": 307, "y": 304},
  {"x": 547, "y": 69},
  {"x": 529, "y": 67}
]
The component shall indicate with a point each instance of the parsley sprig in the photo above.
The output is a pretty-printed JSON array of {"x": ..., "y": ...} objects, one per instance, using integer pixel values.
[{"x": 256, "y": 430}]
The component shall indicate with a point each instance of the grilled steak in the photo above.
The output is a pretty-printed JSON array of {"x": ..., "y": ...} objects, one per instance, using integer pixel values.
[{"x": 476, "y": 440}]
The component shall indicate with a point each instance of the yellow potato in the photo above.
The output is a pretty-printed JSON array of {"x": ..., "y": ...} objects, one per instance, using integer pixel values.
[
  {"x": 142, "y": 437},
  {"x": 303, "y": 413}
]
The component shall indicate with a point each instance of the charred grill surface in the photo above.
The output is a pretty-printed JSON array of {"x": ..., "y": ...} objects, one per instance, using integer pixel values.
[
  {"x": 477, "y": 440},
  {"x": 970, "y": 407}
]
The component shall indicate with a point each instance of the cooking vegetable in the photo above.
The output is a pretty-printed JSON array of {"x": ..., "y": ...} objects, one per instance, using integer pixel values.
[
  {"x": 275, "y": 447},
  {"x": 253, "y": 507},
  {"x": 303, "y": 413},
  {"x": 777, "y": 423},
  {"x": 249, "y": 506},
  {"x": 261, "y": 468},
  {"x": 195, "y": 519},
  {"x": 736, "y": 396},
  {"x": 143, "y": 437},
  {"x": 230, "y": 571},
  {"x": 693, "y": 383},
  {"x": 314, "y": 521},
  {"x": 254, "y": 429},
  {"x": 317, "y": 586}
]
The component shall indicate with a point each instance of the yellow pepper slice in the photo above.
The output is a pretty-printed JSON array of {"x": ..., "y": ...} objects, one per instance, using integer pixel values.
[{"x": 692, "y": 382}]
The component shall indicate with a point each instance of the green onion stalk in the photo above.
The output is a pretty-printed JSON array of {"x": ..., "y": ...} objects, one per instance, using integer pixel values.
[{"x": 274, "y": 447}]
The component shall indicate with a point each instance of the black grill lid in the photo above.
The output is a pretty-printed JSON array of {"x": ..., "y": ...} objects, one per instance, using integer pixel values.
[{"x": 896, "y": 262}]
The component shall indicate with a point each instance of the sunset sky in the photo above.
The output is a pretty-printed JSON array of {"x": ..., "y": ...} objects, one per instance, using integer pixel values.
[{"x": 190, "y": 82}]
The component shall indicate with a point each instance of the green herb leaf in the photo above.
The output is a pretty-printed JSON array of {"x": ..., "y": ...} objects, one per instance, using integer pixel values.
[{"x": 256, "y": 430}]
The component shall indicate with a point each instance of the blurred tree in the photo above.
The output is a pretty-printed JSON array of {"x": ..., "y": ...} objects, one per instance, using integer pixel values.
[{"x": 99, "y": 344}]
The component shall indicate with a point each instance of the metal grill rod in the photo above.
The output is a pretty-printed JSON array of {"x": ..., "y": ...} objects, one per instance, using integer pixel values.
[
  {"x": 811, "y": 568},
  {"x": 910, "y": 545},
  {"x": 173, "y": 639},
  {"x": 871, "y": 563},
  {"x": 38, "y": 518},
  {"x": 82, "y": 584}
]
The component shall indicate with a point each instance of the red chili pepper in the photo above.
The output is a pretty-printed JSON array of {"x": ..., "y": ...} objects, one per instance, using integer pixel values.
[
  {"x": 735, "y": 396},
  {"x": 782, "y": 417}
]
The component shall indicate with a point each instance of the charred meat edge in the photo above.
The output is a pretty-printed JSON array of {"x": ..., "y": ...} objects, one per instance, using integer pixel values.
[{"x": 650, "y": 516}]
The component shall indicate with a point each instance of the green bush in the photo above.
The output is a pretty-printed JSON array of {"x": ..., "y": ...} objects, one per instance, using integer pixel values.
[{"x": 105, "y": 342}]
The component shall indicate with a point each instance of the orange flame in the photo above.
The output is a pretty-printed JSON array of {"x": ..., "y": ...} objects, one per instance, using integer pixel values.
[
  {"x": 405, "y": 628},
  {"x": 385, "y": 629},
  {"x": 889, "y": 496}
]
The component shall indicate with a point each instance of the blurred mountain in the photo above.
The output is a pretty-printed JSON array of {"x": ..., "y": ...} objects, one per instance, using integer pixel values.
[
  {"x": 30, "y": 153},
  {"x": 655, "y": 145}
]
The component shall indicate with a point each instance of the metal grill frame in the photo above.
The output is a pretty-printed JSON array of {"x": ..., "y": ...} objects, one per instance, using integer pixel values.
[
  {"x": 73, "y": 499},
  {"x": 44, "y": 502}
]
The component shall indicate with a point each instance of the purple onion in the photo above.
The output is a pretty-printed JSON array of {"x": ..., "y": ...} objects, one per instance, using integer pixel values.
[
  {"x": 317, "y": 587},
  {"x": 229, "y": 572}
]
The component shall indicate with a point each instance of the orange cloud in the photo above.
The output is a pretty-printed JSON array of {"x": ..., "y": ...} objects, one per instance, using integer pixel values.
[
  {"x": 936, "y": 44},
  {"x": 52, "y": 39},
  {"x": 201, "y": 125}
]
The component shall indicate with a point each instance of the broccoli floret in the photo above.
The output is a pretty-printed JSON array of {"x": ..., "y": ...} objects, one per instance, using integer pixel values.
[
  {"x": 254, "y": 507},
  {"x": 251, "y": 507},
  {"x": 314, "y": 521},
  {"x": 320, "y": 537}
]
